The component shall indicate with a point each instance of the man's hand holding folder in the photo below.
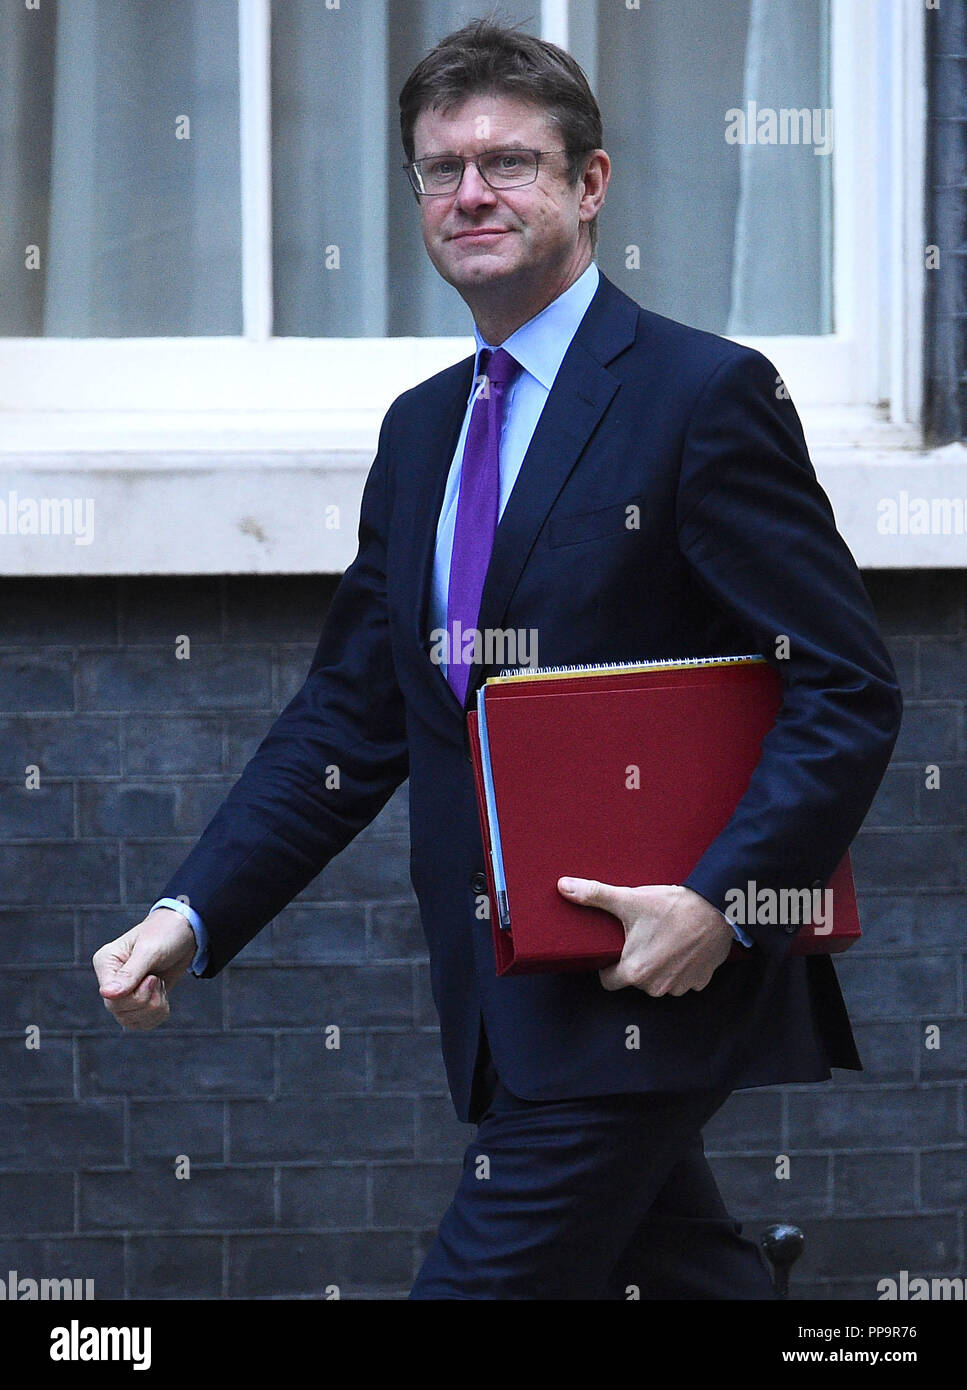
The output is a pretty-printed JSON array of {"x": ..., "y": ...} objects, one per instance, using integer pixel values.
[
  {"x": 633, "y": 770},
  {"x": 674, "y": 939}
]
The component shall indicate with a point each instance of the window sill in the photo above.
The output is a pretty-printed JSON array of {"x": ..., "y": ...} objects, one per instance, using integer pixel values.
[{"x": 236, "y": 493}]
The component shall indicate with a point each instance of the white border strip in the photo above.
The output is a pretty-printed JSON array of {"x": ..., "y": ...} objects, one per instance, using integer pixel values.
[
  {"x": 907, "y": 268},
  {"x": 255, "y": 122},
  {"x": 554, "y": 22}
]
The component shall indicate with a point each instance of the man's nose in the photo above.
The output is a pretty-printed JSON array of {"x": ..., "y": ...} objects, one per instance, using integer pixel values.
[{"x": 474, "y": 190}]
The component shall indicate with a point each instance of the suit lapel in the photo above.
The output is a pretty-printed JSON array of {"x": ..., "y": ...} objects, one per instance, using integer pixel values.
[
  {"x": 436, "y": 448},
  {"x": 433, "y": 457}
]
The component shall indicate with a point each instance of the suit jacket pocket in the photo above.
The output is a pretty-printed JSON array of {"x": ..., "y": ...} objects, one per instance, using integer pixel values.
[{"x": 611, "y": 520}]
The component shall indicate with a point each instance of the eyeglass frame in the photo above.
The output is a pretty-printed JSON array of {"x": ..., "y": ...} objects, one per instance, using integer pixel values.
[{"x": 475, "y": 160}]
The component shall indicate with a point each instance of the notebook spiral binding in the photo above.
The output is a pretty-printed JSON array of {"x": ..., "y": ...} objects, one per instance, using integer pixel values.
[{"x": 626, "y": 665}]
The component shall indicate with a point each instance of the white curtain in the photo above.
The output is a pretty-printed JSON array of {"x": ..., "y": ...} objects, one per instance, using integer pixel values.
[
  {"x": 138, "y": 230},
  {"x": 781, "y": 273},
  {"x": 730, "y": 238},
  {"x": 330, "y": 174},
  {"x": 337, "y": 167}
]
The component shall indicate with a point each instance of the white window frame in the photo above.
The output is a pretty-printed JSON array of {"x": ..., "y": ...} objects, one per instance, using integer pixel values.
[
  {"x": 222, "y": 408},
  {"x": 870, "y": 365}
]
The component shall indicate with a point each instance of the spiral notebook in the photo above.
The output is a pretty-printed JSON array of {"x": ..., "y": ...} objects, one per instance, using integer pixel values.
[{"x": 623, "y": 773}]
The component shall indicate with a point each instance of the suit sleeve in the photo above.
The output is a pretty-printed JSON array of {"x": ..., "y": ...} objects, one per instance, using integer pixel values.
[
  {"x": 326, "y": 767},
  {"x": 759, "y": 533}
]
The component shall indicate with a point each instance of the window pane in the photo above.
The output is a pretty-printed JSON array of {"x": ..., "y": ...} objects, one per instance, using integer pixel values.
[
  {"x": 732, "y": 237},
  {"x": 348, "y": 256},
  {"x": 330, "y": 175},
  {"x": 120, "y": 163},
  {"x": 420, "y": 302}
]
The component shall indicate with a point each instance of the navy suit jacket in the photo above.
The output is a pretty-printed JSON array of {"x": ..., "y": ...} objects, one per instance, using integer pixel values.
[{"x": 736, "y": 547}]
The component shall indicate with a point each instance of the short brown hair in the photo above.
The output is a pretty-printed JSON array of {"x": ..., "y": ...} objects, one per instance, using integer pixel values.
[{"x": 487, "y": 57}]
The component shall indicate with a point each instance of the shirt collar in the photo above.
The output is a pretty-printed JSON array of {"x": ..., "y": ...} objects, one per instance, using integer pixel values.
[{"x": 539, "y": 344}]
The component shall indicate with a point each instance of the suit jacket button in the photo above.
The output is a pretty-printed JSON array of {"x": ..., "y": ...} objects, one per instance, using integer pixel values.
[
  {"x": 789, "y": 928},
  {"x": 816, "y": 883},
  {"x": 479, "y": 883}
]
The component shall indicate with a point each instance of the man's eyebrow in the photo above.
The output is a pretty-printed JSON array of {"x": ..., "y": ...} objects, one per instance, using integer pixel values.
[{"x": 508, "y": 145}]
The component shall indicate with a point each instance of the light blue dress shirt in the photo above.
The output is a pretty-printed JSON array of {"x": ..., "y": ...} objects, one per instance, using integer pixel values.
[
  {"x": 539, "y": 346},
  {"x": 197, "y": 926}
]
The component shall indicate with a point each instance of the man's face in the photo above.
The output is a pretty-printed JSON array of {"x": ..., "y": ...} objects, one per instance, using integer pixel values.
[{"x": 481, "y": 235}]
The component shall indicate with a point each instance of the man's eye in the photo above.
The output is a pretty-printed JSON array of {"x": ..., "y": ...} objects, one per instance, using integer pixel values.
[
  {"x": 441, "y": 169},
  {"x": 509, "y": 161}
]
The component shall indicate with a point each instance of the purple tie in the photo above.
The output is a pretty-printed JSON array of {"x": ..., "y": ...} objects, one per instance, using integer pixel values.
[{"x": 473, "y": 535}]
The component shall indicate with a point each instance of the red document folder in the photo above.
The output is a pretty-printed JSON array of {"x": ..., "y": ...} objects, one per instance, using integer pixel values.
[{"x": 562, "y": 747}]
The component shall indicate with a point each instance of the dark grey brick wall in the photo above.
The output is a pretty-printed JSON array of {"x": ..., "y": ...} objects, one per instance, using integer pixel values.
[{"x": 312, "y": 1167}]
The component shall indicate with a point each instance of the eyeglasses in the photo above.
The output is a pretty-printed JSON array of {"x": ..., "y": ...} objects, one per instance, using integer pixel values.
[{"x": 443, "y": 173}]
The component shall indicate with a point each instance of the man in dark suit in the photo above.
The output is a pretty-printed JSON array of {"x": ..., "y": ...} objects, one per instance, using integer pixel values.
[{"x": 587, "y": 1177}]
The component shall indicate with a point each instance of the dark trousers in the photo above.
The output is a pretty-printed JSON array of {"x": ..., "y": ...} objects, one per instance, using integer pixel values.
[{"x": 603, "y": 1197}]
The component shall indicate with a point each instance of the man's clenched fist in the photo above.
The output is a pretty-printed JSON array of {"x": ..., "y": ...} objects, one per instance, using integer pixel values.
[{"x": 136, "y": 971}]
